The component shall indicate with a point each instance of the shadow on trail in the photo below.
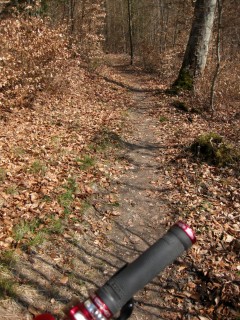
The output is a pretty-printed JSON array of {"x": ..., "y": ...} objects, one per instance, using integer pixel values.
[
  {"x": 71, "y": 267},
  {"x": 132, "y": 88},
  {"x": 86, "y": 267},
  {"x": 137, "y": 187},
  {"x": 115, "y": 138}
]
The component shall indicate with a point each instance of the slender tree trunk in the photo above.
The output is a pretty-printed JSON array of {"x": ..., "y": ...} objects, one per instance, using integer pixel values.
[
  {"x": 166, "y": 28},
  {"x": 214, "y": 80},
  {"x": 72, "y": 4},
  {"x": 82, "y": 16},
  {"x": 197, "y": 48},
  {"x": 130, "y": 25},
  {"x": 123, "y": 29}
]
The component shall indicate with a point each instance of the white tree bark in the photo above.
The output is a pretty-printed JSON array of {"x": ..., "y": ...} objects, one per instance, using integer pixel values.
[{"x": 198, "y": 44}]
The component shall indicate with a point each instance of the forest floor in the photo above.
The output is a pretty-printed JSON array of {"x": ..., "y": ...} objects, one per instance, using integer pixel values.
[{"x": 140, "y": 179}]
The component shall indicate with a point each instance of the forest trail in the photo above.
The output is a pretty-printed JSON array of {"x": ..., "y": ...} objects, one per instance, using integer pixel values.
[
  {"x": 99, "y": 158},
  {"x": 141, "y": 191},
  {"x": 129, "y": 215},
  {"x": 150, "y": 184},
  {"x": 139, "y": 188}
]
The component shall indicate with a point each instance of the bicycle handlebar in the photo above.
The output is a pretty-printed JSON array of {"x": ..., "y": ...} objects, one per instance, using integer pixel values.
[{"x": 121, "y": 287}]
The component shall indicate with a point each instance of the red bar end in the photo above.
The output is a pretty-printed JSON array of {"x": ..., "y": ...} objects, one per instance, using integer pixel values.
[
  {"x": 189, "y": 232},
  {"x": 45, "y": 316}
]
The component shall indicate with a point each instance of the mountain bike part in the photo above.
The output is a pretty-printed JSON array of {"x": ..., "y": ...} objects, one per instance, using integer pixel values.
[{"x": 115, "y": 294}]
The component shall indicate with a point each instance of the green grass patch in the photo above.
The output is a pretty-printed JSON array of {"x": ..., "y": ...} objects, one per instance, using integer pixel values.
[
  {"x": 18, "y": 151},
  {"x": 46, "y": 198},
  {"x": 34, "y": 233},
  {"x": 38, "y": 167},
  {"x": 12, "y": 190},
  {"x": 55, "y": 226},
  {"x": 55, "y": 141},
  {"x": 163, "y": 119},
  {"x": 7, "y": 287},
  {"x": 7, "y": 284},
  {"x": 66, "y": 198},
  {"x": 7, "y": 259},
  {"x": 71, "y": 185},
  {"x": 86, "y": 162},
  {"x": 25, "y": 229},
  {"x": 21, "y": 230},
  {"x": 37, "y": 239},
  {"x": 3, "y": 174}
]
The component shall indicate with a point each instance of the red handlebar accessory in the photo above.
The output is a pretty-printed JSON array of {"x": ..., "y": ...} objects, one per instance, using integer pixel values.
[{"x": 45, "y": 316}]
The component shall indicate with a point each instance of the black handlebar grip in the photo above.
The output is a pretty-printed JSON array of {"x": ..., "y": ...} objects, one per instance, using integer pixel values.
[{"x": 122, "y": 286}]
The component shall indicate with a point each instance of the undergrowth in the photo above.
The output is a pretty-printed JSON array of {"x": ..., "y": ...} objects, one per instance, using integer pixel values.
[{"x": 212, "y": 148}]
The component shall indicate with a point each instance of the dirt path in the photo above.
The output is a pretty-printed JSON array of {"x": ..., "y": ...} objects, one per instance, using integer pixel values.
[
  {"x": 75, "y": 263},
  {"x": 143, "y": 211},
  {"x": 139, "y": 188},
  {"x": 135, "y": 189}
]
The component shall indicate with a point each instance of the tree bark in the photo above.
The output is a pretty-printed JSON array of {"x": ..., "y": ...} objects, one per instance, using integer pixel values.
[
  {"x": 214, "y": 80},
  {"x": 195, "y": 57},
  {"x": 130, "y": 30},
  {"x": 71, "y": 4}
]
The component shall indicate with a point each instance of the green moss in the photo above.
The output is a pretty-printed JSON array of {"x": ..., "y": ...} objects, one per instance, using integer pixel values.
[
  {"x": 212, "y": 148},
  {"x": 184, "y": 81}
]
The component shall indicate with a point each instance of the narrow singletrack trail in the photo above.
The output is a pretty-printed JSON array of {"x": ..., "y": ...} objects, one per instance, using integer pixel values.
[
  {"x": 142, "y": 192},
  {"x": 139, "y": 179},
  {"x": 142, "y": 213},
  {"x": 71, "y": 266}
]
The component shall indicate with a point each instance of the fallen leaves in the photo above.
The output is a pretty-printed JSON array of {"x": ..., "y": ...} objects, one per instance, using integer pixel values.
[
  {"x": 40, "y": 146},
  {"x": 207, "y": 197},
  {"x": 64, "y": 280},
  {"x": 41, "y": 177}
]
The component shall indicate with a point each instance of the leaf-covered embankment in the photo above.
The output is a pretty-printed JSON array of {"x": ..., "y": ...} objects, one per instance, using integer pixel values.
[{"x": 51, "y": 109}]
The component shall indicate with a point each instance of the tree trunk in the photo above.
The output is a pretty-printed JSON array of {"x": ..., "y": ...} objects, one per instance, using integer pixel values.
[
  {"x": 195, "y": 57},
  {"x": 71, "y": 4},
  {"x": 130, "y": 30},
  {"x": 214, "y": 80}
]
